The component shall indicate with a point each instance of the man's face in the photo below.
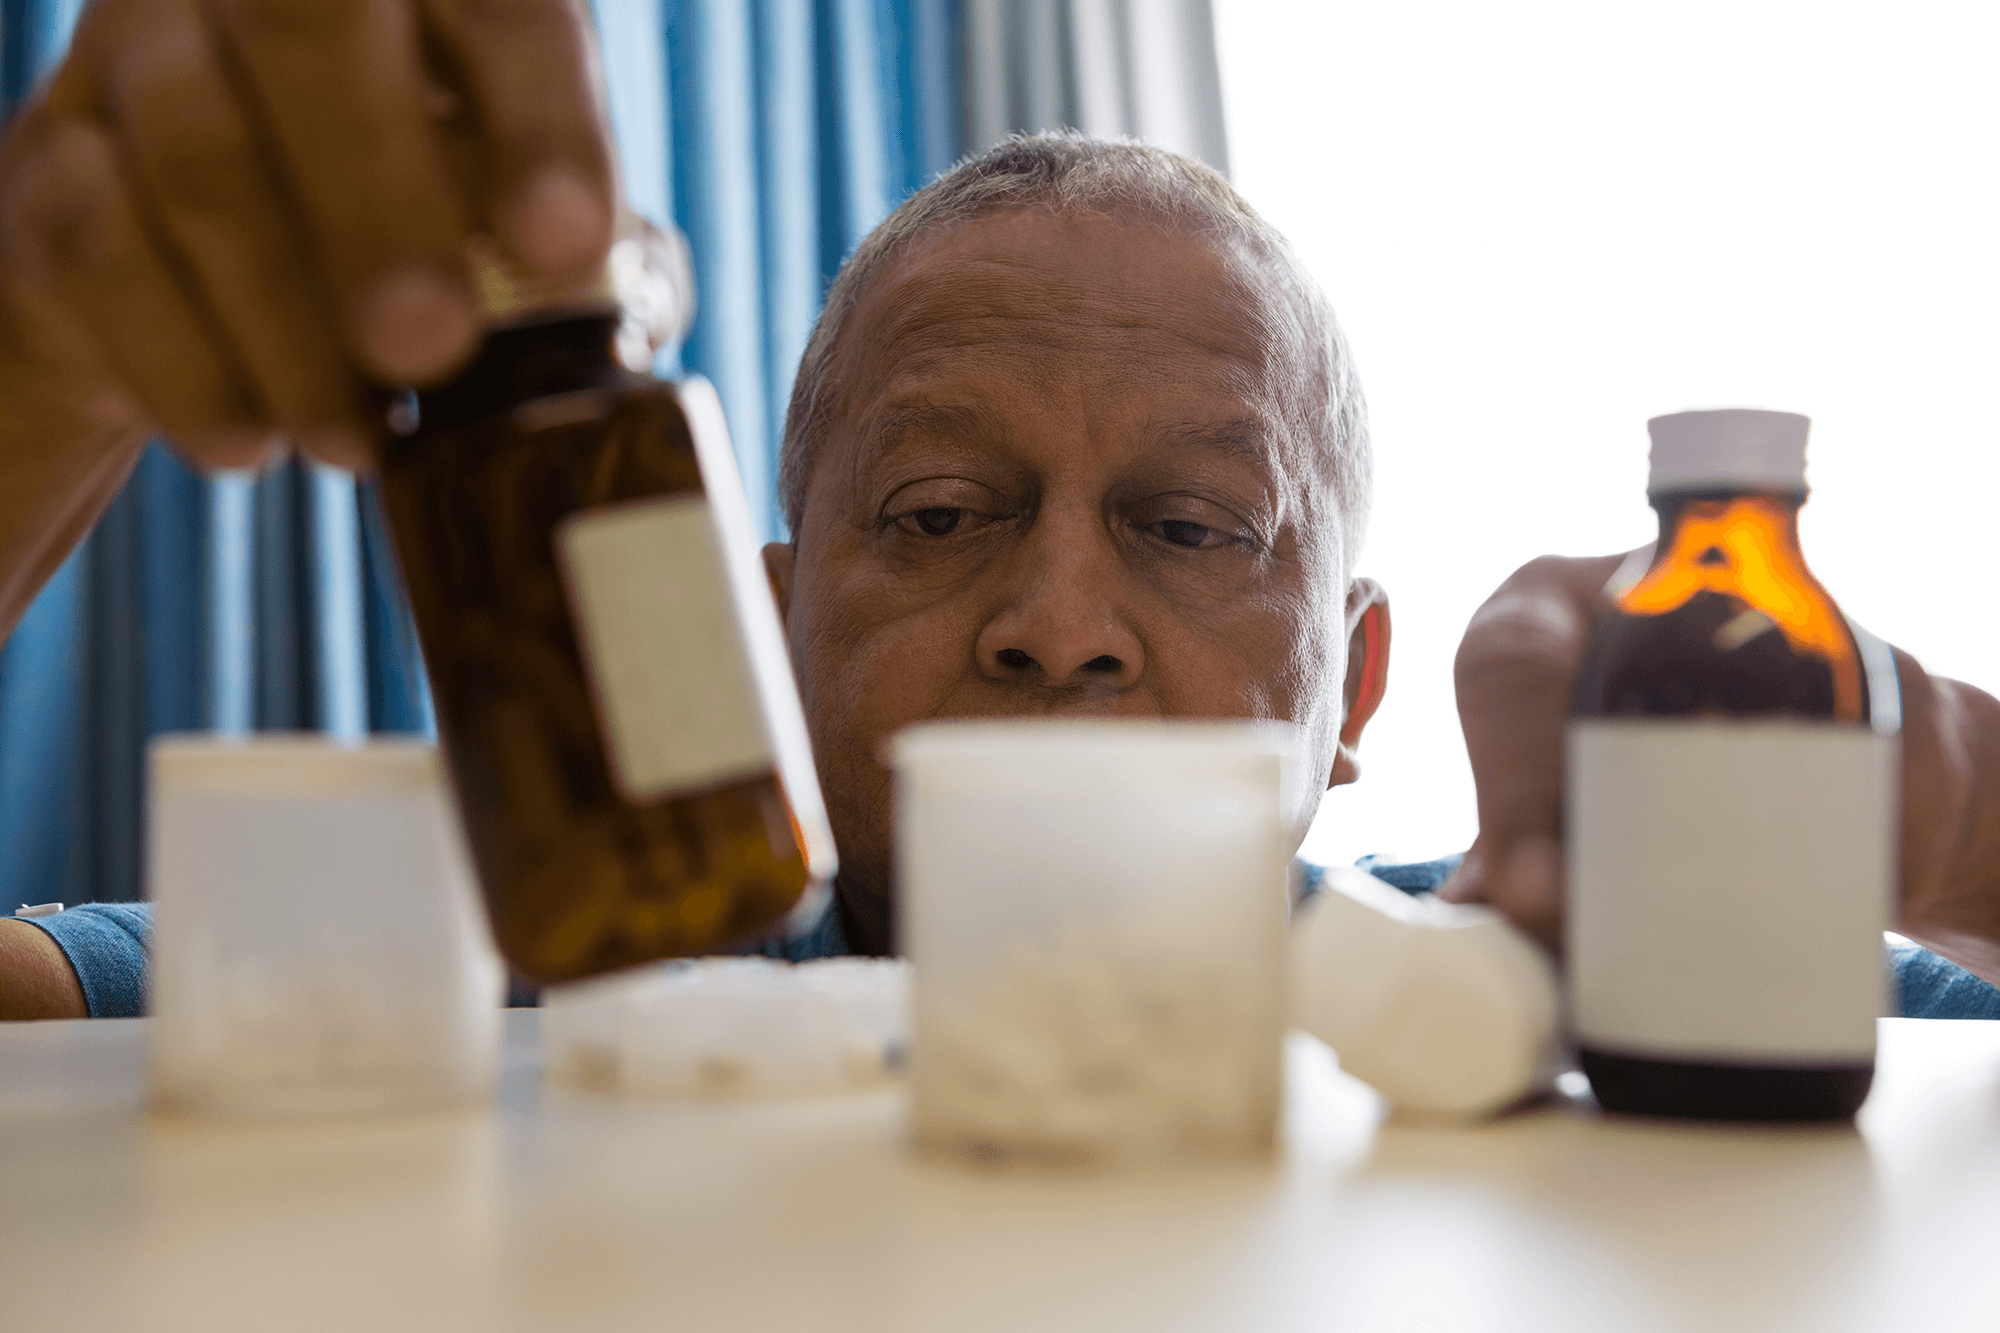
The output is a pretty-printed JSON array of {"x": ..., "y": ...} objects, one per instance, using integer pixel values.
[{"x": 1069, "y": 474}]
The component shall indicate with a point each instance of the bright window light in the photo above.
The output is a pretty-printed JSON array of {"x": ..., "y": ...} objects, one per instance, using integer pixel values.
[{"x": 1544, "y": 222}]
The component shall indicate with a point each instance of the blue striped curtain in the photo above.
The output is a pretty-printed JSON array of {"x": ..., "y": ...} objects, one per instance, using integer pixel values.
[
  {"x": 774, "y": 132},
  {"x": 796, "y": 126}
]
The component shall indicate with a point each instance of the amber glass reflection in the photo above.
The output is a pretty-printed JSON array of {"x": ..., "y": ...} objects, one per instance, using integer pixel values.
[
  {"x": 1726, "y": 622},
  {"x": 577, "y": 880}
]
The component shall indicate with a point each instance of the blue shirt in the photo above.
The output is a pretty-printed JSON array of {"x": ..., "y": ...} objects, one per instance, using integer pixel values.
[{"x": 106, "y": 943}]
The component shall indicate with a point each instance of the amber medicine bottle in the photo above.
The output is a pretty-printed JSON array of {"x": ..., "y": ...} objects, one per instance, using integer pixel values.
[
  {"x": 1732, "y": 773},
  {"x": 612, "y": 688}
]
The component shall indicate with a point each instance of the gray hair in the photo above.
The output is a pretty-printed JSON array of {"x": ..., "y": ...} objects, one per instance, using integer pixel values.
[{"x": 1069, "y": 172}]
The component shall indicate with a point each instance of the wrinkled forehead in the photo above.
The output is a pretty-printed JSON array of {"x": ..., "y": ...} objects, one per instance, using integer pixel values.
[
  {"x": 1135, "y": 329},
  {"x": 1091, "y": 298}
]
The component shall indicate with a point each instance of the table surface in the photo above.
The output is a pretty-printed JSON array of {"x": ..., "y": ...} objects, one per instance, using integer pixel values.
[{"x": 562, "y": 1210}]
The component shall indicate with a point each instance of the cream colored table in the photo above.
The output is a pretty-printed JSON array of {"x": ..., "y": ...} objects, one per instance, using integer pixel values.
[{"x": 566, "y": 1211}]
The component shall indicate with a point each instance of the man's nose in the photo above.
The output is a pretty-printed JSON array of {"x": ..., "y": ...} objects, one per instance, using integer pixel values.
[{"x": 1066, "y": 622}]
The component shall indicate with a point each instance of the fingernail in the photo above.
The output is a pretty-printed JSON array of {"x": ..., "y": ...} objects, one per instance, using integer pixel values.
[
  {"x": 337, "y": 446},
  {"x": 559, "y": 221},
  {"x": 231, "y": 448},
  {"x": 416, "y": 325}
]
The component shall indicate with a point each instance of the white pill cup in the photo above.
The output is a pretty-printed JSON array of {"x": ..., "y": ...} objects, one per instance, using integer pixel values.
[
  {"x": 1095, "y": 912},
  {"x": 320, "y": 948}
]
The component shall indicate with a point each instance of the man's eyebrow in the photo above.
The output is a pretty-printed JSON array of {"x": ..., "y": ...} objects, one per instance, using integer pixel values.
[
  {"x": 931, "y": 419},
  {"x": 1246, "y": 437}
]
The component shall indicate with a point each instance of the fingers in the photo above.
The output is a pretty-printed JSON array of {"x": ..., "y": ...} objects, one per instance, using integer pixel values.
[
  {"x": 193, "y": 158},
  {"x": 1513, "y": 676},
  {"x": 1514, "y": 673},
  {"x": 548, "y": 171},
  {"x": 340, "y": 89},
  {"x": 253, "y": 208},
  {"x": 71, "y": 230}
]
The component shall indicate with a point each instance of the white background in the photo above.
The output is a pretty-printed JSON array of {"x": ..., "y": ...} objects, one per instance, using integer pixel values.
[{"x": 1544, "y": 222}]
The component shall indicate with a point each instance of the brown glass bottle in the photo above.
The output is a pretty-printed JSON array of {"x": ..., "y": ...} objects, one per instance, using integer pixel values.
[
  {"x": 591, "y": 858},
  {"x": 1729, "y": 824}
]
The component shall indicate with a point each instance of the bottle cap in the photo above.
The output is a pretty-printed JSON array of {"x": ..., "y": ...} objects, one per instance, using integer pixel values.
[
  {"x": 1732, "y": 448},
  {"x": 647, "y": 278}
]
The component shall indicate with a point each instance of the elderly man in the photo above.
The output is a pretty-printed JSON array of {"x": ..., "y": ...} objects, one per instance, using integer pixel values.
[{"x": 1075, "y": 435}]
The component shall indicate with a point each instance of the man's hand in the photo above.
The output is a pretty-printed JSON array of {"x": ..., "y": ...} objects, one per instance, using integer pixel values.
[
  {"x": 1513, "y": 675},
  {"x": 1514, "y": 672},
  {"x": 225, "y": 219}
]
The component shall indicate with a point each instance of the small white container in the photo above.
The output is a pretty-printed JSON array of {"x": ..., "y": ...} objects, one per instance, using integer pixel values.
[
  {"x": 730, "y": 1028},
  {"x": 320, "y": 949},
  {"x": 1096, "y": 916}
]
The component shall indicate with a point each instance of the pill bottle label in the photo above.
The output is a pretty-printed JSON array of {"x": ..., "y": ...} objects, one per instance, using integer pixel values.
[
  {"x": 661, "y": 647},
  {"x": 1729, "y": 882}
]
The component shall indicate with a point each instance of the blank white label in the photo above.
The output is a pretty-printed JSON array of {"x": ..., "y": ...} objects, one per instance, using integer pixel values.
[
  {"x": 1729, "y": 885},
  {"x": 659, "y": 637}
]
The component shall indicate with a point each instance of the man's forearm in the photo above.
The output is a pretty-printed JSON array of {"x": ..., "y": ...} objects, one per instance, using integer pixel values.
[
  {"x": 1951, "y": 820},
  {"x": 36, "y": 980}
]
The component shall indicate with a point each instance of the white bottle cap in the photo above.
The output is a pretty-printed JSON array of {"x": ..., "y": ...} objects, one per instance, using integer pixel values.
[
  {"x": 730, "y": 1027},
  {"x": 1446, "y": 1009},
  {"x": 1732, "y": 448}
]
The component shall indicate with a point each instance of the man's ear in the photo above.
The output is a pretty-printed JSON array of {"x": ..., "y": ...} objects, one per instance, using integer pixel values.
[
  {"x": 780, "y": 560},
  {"x": 1367, "y": 671}
]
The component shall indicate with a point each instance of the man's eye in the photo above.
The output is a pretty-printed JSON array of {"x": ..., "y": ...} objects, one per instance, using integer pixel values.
[
  {"x": 937, "y": 522},
  {"x": 1183, "y": 533},
  {"x": 925, "y": 509}
]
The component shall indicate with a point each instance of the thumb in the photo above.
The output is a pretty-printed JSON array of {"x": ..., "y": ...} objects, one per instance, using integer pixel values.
[
  {"x": 1513, "y": 676},
  {"x": 1524, "y": 880}
]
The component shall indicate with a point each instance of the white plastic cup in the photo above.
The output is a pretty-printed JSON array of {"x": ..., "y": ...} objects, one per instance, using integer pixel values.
[
  {"x": 320, "y": 949},
  {"x": 1095, "y": 912}
]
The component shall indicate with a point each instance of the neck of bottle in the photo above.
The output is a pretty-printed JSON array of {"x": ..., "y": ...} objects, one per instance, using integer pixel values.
[
  {"x": 1771, "y": 516},
  {"x": 1728, "y": 570},
  {"x": 519, "y": 363},
  {"x": 1743, "y": 544}
]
